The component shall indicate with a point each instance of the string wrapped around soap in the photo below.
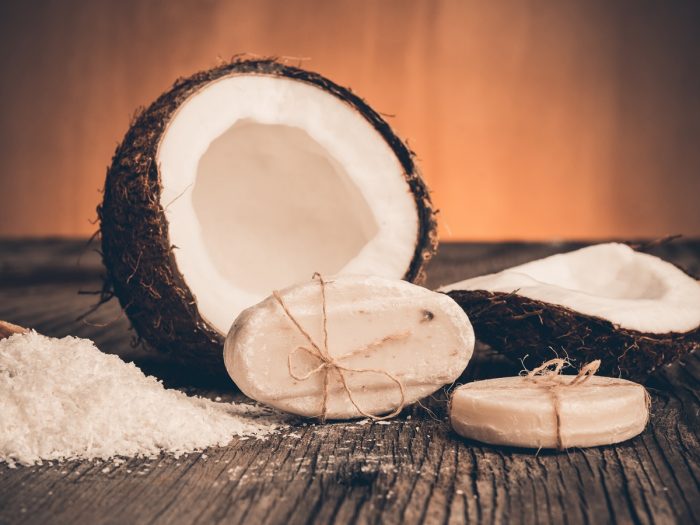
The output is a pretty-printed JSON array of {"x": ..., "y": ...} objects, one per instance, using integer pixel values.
[
  {"x": 331, "y": 364},
  {"x": 544, "y": 377},
  {"x": 347, "y": 347},
  {"x": 551, "y": 410}
]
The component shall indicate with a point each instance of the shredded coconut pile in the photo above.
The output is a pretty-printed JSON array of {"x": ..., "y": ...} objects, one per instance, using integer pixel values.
[{"x": 63, "y": 399}]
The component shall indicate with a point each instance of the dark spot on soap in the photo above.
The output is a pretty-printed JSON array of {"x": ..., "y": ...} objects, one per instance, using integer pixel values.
[{"x": 427, "y": 316}]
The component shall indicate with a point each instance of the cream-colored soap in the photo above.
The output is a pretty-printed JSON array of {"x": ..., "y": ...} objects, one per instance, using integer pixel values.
[
  {"x": 386, "y": 344},
  {"x": 549, "y": 412}
]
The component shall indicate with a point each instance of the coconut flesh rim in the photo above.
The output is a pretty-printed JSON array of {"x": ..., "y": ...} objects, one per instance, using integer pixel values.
[
  {"x": 266, "y": 180},
  {"x": 633, "y": 290}
]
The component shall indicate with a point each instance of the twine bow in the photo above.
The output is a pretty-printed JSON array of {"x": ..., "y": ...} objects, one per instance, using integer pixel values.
[
  {"x": 545, "y": 376},
  {"x": 329, "y": 364}
]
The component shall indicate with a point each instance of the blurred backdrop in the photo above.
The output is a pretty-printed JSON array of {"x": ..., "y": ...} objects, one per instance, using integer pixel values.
[{"x": 531, "y": 119}]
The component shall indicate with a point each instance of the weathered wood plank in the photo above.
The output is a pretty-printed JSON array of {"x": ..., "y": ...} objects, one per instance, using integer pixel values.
[{"x": 411, "y": 470}]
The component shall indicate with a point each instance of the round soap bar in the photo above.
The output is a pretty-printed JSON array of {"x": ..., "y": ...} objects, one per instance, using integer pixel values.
[
  {"x": 348, "y": 346},
  {"x": 549, "y": 412}
]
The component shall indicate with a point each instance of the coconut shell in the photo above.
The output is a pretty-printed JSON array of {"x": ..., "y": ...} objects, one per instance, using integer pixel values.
[
  {"x": 518, "y": 327},
  {"x": 8, "y": 329},
  {"x": 136, "y": 247}
]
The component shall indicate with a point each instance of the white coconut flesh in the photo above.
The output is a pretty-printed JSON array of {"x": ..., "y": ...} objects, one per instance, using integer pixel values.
[
  {"x": 633, "y": 290},
  {"x": 266, "y": 180}
]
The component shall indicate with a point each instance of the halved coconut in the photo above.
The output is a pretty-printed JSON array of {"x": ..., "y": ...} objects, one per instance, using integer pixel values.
[
  {"x": 246, "y": 178},
  {"x": 632, "y": 310}
]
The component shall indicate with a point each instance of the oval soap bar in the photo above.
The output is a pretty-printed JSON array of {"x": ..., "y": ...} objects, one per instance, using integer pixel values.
[
  {"x": 386, "y": 343},
  {"x": 522, "y": 412}
]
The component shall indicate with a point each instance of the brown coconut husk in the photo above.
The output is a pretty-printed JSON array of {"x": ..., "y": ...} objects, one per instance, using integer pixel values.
[
  {"x": 136, "y": 248},
  {"x": 518, "y": 327}
]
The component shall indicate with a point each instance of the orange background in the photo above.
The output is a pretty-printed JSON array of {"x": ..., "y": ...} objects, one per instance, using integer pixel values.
[{"x": 531, "y": 120}]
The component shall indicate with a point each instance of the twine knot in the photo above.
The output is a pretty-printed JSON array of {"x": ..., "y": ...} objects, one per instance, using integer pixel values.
[
  {"x": 329, "y": 364},
  {"x": 545, "y": 374}
]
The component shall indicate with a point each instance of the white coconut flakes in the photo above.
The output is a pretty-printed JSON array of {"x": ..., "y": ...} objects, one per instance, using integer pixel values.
[{"x": 63, "y": 399}]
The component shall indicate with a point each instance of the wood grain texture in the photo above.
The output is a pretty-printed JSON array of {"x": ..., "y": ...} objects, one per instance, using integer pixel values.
[
  {"x": 540, "y": 120},
  {"x": 410, "y": 470}
]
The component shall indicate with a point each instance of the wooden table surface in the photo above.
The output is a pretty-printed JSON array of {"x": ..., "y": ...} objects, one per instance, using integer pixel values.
[{"x": 411, "y": 470}]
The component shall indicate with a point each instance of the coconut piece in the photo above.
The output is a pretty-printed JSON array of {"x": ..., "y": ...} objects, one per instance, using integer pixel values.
[
  {"x": 245, "y": 178},
  {"x": 348, "y": 347},
  {"x": 550, "y": 411},
  {"x": 632, "y": 310},
  {"x": 8, "y": 329}
]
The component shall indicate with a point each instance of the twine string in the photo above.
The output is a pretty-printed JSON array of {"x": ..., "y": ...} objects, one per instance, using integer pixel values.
[
  {"x": 329, "y": 364},
  {"x": 548, "y": 375}
]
